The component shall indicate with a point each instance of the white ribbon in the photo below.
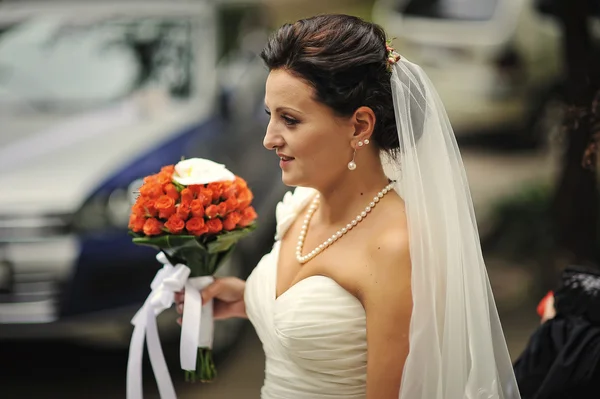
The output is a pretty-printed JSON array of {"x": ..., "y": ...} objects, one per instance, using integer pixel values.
[{"x": 196, "y": 331}]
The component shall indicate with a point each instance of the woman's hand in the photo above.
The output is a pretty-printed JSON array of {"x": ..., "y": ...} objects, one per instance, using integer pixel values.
[
  {"x": 549, "y": 310},
  {"x": 545, "y": 308},
  {"x": 228, "y": 296}
]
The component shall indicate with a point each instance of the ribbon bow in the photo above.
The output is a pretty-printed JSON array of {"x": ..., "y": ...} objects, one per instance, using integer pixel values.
[{"x": 169, "y": 280}]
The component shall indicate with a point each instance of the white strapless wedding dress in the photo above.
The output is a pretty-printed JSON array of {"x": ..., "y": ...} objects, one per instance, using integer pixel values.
[{"x": 314, "y": 334}]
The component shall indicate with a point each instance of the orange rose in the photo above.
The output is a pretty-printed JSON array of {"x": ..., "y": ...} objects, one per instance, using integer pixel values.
[
  {"x": 211, "y": 211},
  {"x": 197, "y": 208},
  {"x": 152, "y": 227},
  {"x": 232, "y": 204},
  {"x": 151, "y": 190},
  {"x": 230, "y": 192},
  {"x": 206, "y": 195},
  {"x": 150, "y": 208},
  {"x": 175, "y": 224},
  {"x": 244, "y": 199},
  {"x": 232, "y": 220},
  {"x": 168, "y": 169},
  {"x": 171, "y": 191},
  {"x": 165, "y": 206},
  {"x": 163, "y": 179},
  {"x": 138, "y": 208},
  {"x": 228, "y": 189},
  {"x": 248, "y": 216},
  {"x": 186, "y": 196},
  {"x": 150, "y": 179},
  {"x": 222, "y": 208},
  {"x": 183, "y": 211},
  {"x": 195, "y": 188},
  {"x": 217, "y": 190},
  {"x": 214, "y": 226},
  {"x": 240, "y": 183},
  {"x": 136, "y": 222},
  {"x": 196, "y": 226}
]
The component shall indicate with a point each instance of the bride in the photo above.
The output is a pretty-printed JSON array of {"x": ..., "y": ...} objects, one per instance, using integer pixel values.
[{"x": 376, "y": 286}]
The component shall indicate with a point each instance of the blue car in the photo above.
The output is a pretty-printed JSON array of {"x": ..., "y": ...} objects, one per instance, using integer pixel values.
[{"x": 94, "y": 96}]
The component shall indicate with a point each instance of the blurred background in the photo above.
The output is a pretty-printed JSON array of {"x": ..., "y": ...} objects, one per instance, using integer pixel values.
[{"x": 95, "y": 95}]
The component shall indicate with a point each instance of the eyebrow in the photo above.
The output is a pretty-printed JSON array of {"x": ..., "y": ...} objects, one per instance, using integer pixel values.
[{"x": 279, "y": 109}]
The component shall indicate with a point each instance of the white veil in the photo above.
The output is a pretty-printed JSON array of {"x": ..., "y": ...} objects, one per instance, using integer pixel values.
[{"x": 457, "y": 347}]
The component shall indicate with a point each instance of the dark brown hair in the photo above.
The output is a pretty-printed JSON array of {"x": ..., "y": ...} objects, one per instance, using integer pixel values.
[{"x": 345, "y": 59}]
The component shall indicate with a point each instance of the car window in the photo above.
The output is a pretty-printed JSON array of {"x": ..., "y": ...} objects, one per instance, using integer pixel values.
[{"x": 61, "y": 61}]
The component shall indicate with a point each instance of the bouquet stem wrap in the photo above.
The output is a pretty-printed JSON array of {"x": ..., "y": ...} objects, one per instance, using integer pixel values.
[
  {"x": 196, "y": 331},
  {"x": 197, "y": 325}
]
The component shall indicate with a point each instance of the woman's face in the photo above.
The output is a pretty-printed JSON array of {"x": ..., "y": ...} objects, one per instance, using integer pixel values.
[{"x": 314, "y": 145}]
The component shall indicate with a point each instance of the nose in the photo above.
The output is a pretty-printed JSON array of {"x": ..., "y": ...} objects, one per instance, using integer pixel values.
[{"x": 273, "y": 138}]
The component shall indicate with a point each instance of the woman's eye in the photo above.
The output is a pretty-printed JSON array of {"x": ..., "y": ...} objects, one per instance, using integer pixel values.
[
  {"x": 286, "y": 119},
  {"x": 289, "y": 121}
]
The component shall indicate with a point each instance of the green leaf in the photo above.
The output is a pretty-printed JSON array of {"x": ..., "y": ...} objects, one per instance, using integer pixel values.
[
  {"x": 178, "y": 186},
  {"x": 225, "y": 241},
  {"x": 203, "y": 260},
  {"x": 134, "y": 234},
  {"x": 167, "y": 241}
]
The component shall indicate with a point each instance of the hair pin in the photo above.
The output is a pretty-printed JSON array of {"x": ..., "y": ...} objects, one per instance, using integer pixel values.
[{"x": 392, "y": 55}]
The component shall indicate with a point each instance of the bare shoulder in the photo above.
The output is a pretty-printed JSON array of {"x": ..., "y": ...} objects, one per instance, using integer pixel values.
[
  {"x": 388, "y": 271},
  {"x": 388, "y": 249},
  {"x": 386, "y": 296}
]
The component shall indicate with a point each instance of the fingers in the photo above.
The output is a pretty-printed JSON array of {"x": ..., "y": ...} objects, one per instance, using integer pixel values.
[
  {"x": 211, "y": 291},
  {"x": 549, "y": 310},
  {"x": 207, "y": 294},
  {"x": 179, "y": 299}
]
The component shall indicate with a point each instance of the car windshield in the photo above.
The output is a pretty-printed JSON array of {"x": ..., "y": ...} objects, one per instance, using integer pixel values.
[
  {"x": 64, "y": 62},
  {"x": 463, "y": 10}
]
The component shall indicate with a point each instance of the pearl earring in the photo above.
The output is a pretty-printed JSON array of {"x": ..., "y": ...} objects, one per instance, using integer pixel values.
[{"x": 352, "y": 164}]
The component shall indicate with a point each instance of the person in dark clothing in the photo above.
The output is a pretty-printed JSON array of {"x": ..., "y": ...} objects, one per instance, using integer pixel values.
[{"x": 562, "y": 358}]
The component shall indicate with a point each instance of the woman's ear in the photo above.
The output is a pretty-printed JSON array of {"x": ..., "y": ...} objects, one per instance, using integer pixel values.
[{"x": 364, "y": 123}]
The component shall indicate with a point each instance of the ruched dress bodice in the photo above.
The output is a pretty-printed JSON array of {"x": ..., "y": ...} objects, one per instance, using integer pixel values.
[{"x": 314, "y": 334}]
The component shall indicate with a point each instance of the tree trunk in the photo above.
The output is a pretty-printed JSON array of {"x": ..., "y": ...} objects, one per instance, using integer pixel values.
[{"x": 576, "y": 198}]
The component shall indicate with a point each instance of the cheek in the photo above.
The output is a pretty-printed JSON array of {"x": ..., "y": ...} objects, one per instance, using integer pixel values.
[
  {"x": 320, "y": 146},
  {"x": 325, "y": 154}
]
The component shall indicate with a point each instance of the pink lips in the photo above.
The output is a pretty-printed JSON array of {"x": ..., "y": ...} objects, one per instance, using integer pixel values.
[
  {"x": 285, "y": 160},
  {"x": 285, "y": 157}
]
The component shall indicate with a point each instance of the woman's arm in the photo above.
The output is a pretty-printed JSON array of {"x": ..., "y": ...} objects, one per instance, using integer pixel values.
[{"x": 387, "y": 298}]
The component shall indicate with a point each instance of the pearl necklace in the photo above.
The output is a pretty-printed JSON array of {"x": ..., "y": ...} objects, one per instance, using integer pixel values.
[{"x": 329, "y": 242}]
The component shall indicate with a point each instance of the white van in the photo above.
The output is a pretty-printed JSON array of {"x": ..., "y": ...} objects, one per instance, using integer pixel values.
[{"x": 495, "y": 63}]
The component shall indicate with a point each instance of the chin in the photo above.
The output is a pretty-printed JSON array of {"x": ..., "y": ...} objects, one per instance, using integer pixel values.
[{"x": 290, "y": 180}]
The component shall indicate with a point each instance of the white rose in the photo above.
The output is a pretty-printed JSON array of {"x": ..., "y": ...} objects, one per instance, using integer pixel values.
[{"x": 200, "y": 171}]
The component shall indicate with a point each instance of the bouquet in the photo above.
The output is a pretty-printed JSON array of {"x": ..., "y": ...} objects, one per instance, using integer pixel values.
[{"x": 194, "y": 212}]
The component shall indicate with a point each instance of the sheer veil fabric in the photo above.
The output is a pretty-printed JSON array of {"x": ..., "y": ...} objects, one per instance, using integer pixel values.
[{"x": 457, "y": 347}]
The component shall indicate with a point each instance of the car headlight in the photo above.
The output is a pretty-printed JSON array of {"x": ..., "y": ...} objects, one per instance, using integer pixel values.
[{"x": 107, "y": 210}]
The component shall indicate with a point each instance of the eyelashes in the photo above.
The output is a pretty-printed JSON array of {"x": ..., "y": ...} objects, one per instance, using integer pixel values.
[{"x": 289, "y": 121}]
